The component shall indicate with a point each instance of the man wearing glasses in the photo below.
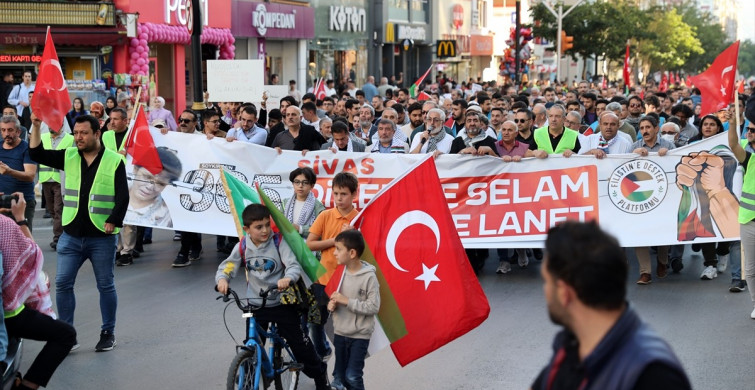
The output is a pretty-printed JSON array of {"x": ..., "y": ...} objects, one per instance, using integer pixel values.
[
  {"x": 523, "y": 119},
  {"x": 211, "y": 121},
  {"x": 636, "y": 110},
  {"x": 249, "y": 131},
  {"x": 187, "y": 122},
  {"x": 434, "y": 139}
]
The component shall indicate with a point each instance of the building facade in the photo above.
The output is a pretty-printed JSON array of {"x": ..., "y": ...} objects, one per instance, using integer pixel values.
[{"x": 277, "y": 33}]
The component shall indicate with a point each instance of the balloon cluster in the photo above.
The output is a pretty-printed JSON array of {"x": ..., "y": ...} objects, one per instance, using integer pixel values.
[
  {"x": 508, "y": 64},
  {"x": 159, "y": 33}
]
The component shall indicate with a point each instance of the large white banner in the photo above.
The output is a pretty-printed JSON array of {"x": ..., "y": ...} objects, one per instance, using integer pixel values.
[
  {"x": 235, "y": 80},
  {"x": 641, "y": 200}
]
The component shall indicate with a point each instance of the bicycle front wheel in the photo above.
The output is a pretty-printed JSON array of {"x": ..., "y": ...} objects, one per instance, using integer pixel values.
[
  {"x": 243, "y": 370},
  {"x": 286, "y": 369}
]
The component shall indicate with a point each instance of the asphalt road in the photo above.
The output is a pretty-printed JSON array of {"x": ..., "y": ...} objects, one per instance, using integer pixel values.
[{"x": 171, "y": 334}]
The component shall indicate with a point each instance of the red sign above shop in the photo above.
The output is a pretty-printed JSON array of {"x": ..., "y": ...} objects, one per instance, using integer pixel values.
[
  {"x": 457, "y": 16},
  {"x": 19, "y": 58},
  {"x": 215, "y": 13}
]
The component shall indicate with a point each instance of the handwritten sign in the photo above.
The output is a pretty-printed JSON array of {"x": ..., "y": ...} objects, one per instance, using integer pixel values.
[
  {"x": 274, "y": 95},
  {"x": 235, "y": 80}
]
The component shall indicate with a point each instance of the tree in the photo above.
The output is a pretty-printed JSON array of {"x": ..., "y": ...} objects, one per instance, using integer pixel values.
[
  {"x": 746, "y": 63},
  {"x": 710, "y": 34},
  {"x": 672, "y": 42},
  {"x": 600, "y": 29}
]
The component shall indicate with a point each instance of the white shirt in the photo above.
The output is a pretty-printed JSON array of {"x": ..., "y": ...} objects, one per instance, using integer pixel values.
[
  {"x": 619, "y": 146},
  {"x": 444, "y": 146}
]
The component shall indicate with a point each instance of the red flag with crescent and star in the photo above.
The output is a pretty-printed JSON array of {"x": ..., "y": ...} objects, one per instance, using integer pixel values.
[
  {"x": 716, "y": 84},
  {"x": 50, "y": 102},
  {"x": 418, "y": 251},
  {"x": 140, "y": 145}
]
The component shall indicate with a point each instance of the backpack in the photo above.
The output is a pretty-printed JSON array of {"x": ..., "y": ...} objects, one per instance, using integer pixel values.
[{"x": 297, "y": 293}]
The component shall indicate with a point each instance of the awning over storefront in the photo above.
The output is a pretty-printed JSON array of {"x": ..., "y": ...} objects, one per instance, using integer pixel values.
[{"x": 86, "y": 36}]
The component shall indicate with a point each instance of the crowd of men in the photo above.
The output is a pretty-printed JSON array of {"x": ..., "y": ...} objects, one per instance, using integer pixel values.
[{"x": 479, "y": 119}]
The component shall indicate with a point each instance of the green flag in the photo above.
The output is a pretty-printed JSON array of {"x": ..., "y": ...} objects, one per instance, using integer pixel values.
[
  {"x": 239, "y": 196},
  {"x": 306, "y": 258}
]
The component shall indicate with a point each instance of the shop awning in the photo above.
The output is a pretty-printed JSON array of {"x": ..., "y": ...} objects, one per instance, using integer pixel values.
[{"x": 85, "y": 36}]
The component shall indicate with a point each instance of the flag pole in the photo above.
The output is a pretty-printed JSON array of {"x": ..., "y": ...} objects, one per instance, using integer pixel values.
[{"x": 736, "y": 112}]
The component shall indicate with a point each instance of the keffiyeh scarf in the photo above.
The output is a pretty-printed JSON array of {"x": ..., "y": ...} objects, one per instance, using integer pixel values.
[{"x": 307, "y": 215}]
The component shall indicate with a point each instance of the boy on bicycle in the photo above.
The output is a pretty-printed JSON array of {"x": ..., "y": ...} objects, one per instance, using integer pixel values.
[
  {"x": 354, "y": 307},
  {"x": 269, "y": 262}
]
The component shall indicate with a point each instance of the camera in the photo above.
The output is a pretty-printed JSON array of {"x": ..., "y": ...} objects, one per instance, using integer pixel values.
[{"x": 5, "y": 201}]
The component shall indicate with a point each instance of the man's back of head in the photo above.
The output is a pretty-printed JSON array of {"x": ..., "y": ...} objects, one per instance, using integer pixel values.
[{"x": 590, "y": 261}]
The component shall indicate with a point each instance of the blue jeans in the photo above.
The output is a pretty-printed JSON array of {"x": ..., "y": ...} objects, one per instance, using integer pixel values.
[
  {"x": 350, "y": 355},
  {"x": 735, "y": 260},
  {"x": 72, "y": 252},
  {"x": 676, "y": 252}
]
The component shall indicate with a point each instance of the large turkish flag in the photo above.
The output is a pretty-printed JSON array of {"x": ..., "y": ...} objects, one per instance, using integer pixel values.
[
  {"x": 141, "y": 146},
  {"x": 409, "y": 230},
  {"x": 50, "y": 102},
  {"x": 717, "y": 83}
]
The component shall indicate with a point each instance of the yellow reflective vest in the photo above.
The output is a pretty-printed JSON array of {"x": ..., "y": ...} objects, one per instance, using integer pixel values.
[
  {"x": 543, "y": 140},
  {"x": 102, "y": 194},
  {"x": 46, "y": 173}
]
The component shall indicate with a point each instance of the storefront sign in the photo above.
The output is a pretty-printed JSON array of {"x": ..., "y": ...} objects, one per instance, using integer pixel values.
[
  {"x": 22, "y": 39},
  {"x": 177, "y": 11},
  {"x": 481, "y": 45},
  {"x": 415, "y": 33},
  {"x": 19, "y": 58},
  {"x": 395, "y": 32},
  {"x": 272, "y": 20},
  {"x": 445, "y": 48},
  {"x": 347, "y": 19}
]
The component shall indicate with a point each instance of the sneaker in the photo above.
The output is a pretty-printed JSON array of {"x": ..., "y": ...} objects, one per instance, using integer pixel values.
[
  {"x": 47, "y": 215},
  {"x": 752, "y": 315},
  {"x": 107, "y": 341},
  {"x": 195, "y": 255},
  {"x": 522, "y": 259},
  {"x": 181, "y": 261},
  {"x": 538, "y": 253},
  {"x": 327, "y": 356},
  {"x": 504, "y": 267},
  {"x": 644, "y": 279},
  {"x": 124, "y": 260},
  {"x": 136, "y": 254},
  {"x": 661, "y": 270},
  {"x": 737, "y": 286},
  {"x": 147, "y": 241},
  {"x": 54, "y": 245},
  {"x": 76, "y": 346},
  {"x": 709, "y": 273},
  {"x": 676, "y": 265},
  {"x": 723, "y": 262},
  {"x": 177, "y": 237}
]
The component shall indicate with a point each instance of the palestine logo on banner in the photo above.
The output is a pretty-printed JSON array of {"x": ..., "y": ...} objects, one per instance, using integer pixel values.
[{"x": 637, "y": 186}]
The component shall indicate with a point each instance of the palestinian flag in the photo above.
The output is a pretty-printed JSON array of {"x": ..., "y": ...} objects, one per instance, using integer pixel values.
[
  {"x": 637, "y": 186},
  {"x": 240, "y": 195},
  {"x": 309, "y": 263},
  {"x": 413, "y": 89}
]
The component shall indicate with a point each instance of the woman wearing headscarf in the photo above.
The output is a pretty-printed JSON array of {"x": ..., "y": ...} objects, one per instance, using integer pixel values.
[{"x": 157, "y": 111}]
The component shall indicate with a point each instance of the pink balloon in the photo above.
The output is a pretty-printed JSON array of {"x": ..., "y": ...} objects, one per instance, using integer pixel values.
[
  {"x": 134, "y": 42},
  {"x": 140, "y": 61},
  {"x": 140, "y": 49},
  {"x": 143, "y": 35},
  {"x": 144, "y": 54},
  {"x": 134, "y": 55},
  {"x": 143, "y": 42},
  {"x": 145, "y": 69}
]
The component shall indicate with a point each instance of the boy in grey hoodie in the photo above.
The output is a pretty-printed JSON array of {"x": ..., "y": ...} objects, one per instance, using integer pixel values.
[
  {"x": 268, "y": 262},
  {"x": 354, "y": 306}
]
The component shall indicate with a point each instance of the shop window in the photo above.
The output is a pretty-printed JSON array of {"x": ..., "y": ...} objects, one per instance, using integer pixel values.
[
  {"x": 419, "y": 11},
  {"x": 398, "y": 10}
]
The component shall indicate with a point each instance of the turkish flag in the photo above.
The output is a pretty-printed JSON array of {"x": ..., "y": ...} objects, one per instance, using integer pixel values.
[
  {"x": 319, "y": 89},
  {"x": 420, "y": 256},
  {"x": 50, "y": 102},
  {"x": 717, "y": 83},
  {"x": 664, "y": 83},
  {"x": 141, "y": 146}
]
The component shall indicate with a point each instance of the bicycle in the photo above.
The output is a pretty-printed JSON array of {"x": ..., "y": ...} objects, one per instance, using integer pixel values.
[{"x": 277, "y": 364}]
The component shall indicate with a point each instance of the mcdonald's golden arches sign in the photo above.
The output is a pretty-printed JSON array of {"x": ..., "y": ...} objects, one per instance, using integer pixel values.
[{"x": 445, "y": 48}]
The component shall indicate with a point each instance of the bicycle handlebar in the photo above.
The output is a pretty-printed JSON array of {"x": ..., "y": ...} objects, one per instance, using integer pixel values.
[{"x": 263, "y": 295}]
